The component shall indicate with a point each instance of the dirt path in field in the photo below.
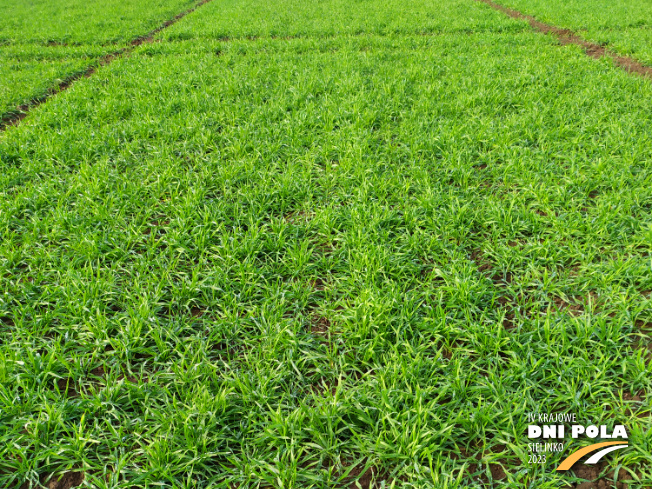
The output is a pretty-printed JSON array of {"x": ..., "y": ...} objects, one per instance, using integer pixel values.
[
  {"x": 22, "y": 111},
  {"x": 567, "y": 36}
]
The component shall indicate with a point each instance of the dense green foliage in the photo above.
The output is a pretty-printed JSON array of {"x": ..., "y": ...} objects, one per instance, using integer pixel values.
[
  {"x": 43, "y": 43},
  {"x": 285, "y": 262},
  {"x": 83, "y": 21},
  {"x": 30, "y": 70},
  {"x": 623, "y": 25},
  {"x": 274, "y": 260},
  {"x": 251, "y": 18},
  {"x": 588, "y": 14}
]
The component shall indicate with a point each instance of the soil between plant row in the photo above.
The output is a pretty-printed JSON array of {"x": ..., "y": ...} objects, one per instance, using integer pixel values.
[
  {"x": 14, "y": 118},
  {"x": 566, "y": 36}
]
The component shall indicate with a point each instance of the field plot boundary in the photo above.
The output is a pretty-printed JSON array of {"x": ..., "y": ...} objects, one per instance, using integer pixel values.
[
  {"x": 14, "y": 118},
  {"x": 567, "y": 36}
]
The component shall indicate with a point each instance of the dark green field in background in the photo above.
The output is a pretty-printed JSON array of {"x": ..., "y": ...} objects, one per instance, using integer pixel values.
[{"x": 319, "y": 245}]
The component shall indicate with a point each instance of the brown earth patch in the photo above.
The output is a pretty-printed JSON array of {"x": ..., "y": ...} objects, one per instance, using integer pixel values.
[
  {"x": 634, "y": 402},
  {"x": 320, "y": 326},
  {"x": 321, "y": 388},
  {"x": 366, "y": 479},
  {"x": 592, "y": 473},
  {"x": 643, "y": 325},
  {"x": 98, "y": 372},
  {"x": 628, "y": 396},
  {"x": 448, "y": 349},
  {"x": 14, "y": 117},
  {"x": 197, "y": 312},
  {"x": 220, "y": 347},
  {"x": 53, "y": 43},
  {"x": 326, "y": 248},
  {"x": 318, "y": 284},
  {"x": 371, "y": 478},
  {"x": 497, "y": 472},
  {"x": 574, "y": 309},
  {"x": 142, "y": 356},
  {"x": 158, "y": 225},
  {"x": 66, "y": 387},
  {"x": 509, "y": 321},
  {"x": 567, "y": 36},
  {"x": 486, "y": 184},
  {"x": 134, "y": 380},
  {"x": 481, "y": 260},
  {"x": 6, "y": 321},
  {"x": 510, "y": 306},
  {"x": 66, "y": 481},
  {"x": 504, "y": 278},
  {"x": 495, "y": 468},
  {"x": 516, "y": 243}
]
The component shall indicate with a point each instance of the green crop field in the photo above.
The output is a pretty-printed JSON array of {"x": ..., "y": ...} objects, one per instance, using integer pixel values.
[
  {"x": 624, "y": 26},
  {"x": 83, "y": 21},
  {"x": 44, "y": 43},
  {"x": 229, "y": 19},
  {"x": 30, "y": 71},
  {"x": 319, "y": 245}
]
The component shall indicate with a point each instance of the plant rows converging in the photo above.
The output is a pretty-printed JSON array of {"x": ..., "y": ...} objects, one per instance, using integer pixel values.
[
  {"x": 624, "y": 26},
  {"x": 322, "y": 245},
  {"x": 45, "y": 44}
]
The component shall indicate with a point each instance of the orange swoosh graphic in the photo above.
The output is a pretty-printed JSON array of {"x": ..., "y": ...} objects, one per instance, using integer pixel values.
[{"x": 574, "y": 457}]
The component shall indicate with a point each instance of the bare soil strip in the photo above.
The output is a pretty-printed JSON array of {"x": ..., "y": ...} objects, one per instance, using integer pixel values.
[
  {"x": 14, "y": 118},
  {"x": 567, "y": 36}
]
